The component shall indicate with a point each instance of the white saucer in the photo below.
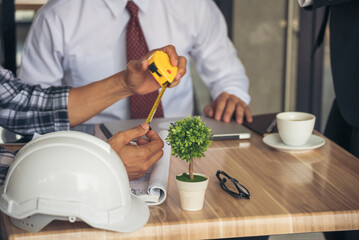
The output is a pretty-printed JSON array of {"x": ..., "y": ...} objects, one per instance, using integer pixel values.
[{"x": 273, "y": 140}]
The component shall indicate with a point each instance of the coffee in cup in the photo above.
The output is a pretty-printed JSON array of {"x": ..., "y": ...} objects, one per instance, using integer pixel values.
[{"x": 295, "y": 128}]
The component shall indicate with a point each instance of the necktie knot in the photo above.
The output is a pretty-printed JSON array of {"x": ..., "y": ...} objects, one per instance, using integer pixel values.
[{"x": 132, "y": 8}]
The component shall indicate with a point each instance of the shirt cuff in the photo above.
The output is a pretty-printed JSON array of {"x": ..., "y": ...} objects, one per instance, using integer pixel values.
[
  {"x": 305, "y": 3},
  {"x": 60, "y": 116}
]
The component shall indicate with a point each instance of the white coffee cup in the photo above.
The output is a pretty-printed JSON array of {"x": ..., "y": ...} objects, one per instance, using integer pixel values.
[{"x": 295, "y": 128}]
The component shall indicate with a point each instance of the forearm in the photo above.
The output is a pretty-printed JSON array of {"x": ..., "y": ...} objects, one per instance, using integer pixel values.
[
  {"x": 27, "y": 109},
  {"x": 87, "y": 101},
  {"x": 216, "y": 57}
]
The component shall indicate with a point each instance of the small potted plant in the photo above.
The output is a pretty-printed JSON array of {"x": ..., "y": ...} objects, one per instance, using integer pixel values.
[{"x": 189, "y": 139}]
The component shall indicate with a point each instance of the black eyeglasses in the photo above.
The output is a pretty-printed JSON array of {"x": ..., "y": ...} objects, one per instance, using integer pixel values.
[{"x": 240, "y": 192}]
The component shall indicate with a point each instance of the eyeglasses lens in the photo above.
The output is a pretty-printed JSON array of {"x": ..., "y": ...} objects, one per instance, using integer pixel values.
[
  {"x": 231, "y": 184},
  {"x": 245, "y": 191}
]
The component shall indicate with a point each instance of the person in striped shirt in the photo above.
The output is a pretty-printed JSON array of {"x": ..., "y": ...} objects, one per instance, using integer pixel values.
[{"x": 26, "y": 109}]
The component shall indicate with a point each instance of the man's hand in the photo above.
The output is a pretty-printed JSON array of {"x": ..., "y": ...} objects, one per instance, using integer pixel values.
[
  {"x": 138, "y": 80},
  {"x": 87, "y": 101},
  {"x": 225, "y": 105},
  {"x": 137, "y": 158}
]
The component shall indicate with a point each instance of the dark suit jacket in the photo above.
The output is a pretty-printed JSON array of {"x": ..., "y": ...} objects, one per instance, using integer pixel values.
[{"x": 344, "y": 50}]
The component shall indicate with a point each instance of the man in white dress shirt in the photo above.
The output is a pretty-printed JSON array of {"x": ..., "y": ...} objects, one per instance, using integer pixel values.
[{"x": 77, "y": 42}]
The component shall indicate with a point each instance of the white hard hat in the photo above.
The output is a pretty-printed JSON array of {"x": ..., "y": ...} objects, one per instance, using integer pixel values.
[{"x": 70, "y": 175}]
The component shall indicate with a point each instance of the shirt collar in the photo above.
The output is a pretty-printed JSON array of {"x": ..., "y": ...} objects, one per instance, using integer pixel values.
[{"x": 118, "y": 6}]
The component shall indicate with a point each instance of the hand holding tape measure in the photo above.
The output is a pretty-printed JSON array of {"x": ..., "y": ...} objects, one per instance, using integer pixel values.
[{"x": 162, "y": 70}]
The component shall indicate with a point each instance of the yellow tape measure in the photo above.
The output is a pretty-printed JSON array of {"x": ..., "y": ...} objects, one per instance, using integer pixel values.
[
  {"x": 161, "y": 68},
  {"x": 155, "y": 105},
  {"x": 164, "y": 73}
]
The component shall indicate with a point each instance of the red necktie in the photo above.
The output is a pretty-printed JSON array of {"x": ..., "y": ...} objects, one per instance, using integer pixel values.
[{"x": 140, "y": 105}]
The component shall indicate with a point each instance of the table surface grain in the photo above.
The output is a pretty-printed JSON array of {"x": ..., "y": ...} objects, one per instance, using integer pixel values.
[
  {"x": 29, "y": 4},
  {"x": 310, "y": 191}
]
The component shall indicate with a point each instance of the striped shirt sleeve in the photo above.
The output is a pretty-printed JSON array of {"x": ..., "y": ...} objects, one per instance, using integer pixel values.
[
  {"x": 6, "y": 158},
  {"x": 26, "y": 109}
]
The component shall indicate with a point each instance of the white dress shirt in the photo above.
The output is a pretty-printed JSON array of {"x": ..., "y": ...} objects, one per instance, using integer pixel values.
[{"x": 76, "y": 42}]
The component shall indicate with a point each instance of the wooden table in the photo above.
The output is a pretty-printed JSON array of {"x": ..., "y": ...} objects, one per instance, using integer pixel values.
[
  {"x": 312, "y": 191},
  {"x": 29, "y": 4}
]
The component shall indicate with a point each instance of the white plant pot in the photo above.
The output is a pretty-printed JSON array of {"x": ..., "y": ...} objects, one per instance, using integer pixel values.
[{"x": 192, "y": 193}]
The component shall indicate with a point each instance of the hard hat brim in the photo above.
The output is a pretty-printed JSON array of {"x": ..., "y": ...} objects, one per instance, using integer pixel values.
[{"x": 136, "y": 218}]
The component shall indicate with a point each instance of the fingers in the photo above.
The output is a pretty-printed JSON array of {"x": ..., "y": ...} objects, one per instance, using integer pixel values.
[
  {"x": 172, "y": 54},
  {"x": 135, "y": 172},
  {"x": 243, "y": 111},
  {"x": 174, "y": 83},
  {"x": 225, "y": 105},
  {"x": 137, "y": 78},
  {"x": 142, "y": 141},
  {"x": 139, "y": 158},
  {"x": 139, "y": 65},
  {"x": 144, "y": 65},
  {"x": 122, "y": 138},
  {"x": 229, "y": 110},
  {"x": 248, "y": 114},
  {"x": 209, "y": 110},
  {"x": 155, "y": 141},
  {"x": 176, "y": 61},
  {"x": 182, "y": 68},
  {"x": 221, "y": 103},
  {"x": 239, "y": 113}
]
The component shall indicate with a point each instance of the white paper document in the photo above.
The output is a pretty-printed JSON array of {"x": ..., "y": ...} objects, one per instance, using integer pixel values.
[{"x": 152, "y": 186}]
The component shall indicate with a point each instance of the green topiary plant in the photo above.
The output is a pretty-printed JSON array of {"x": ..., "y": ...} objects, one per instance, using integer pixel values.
[{"x": 189, "y": 139}]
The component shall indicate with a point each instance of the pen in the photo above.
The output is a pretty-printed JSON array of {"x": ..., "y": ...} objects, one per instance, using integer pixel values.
[{"x": 271, "y": 126}]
